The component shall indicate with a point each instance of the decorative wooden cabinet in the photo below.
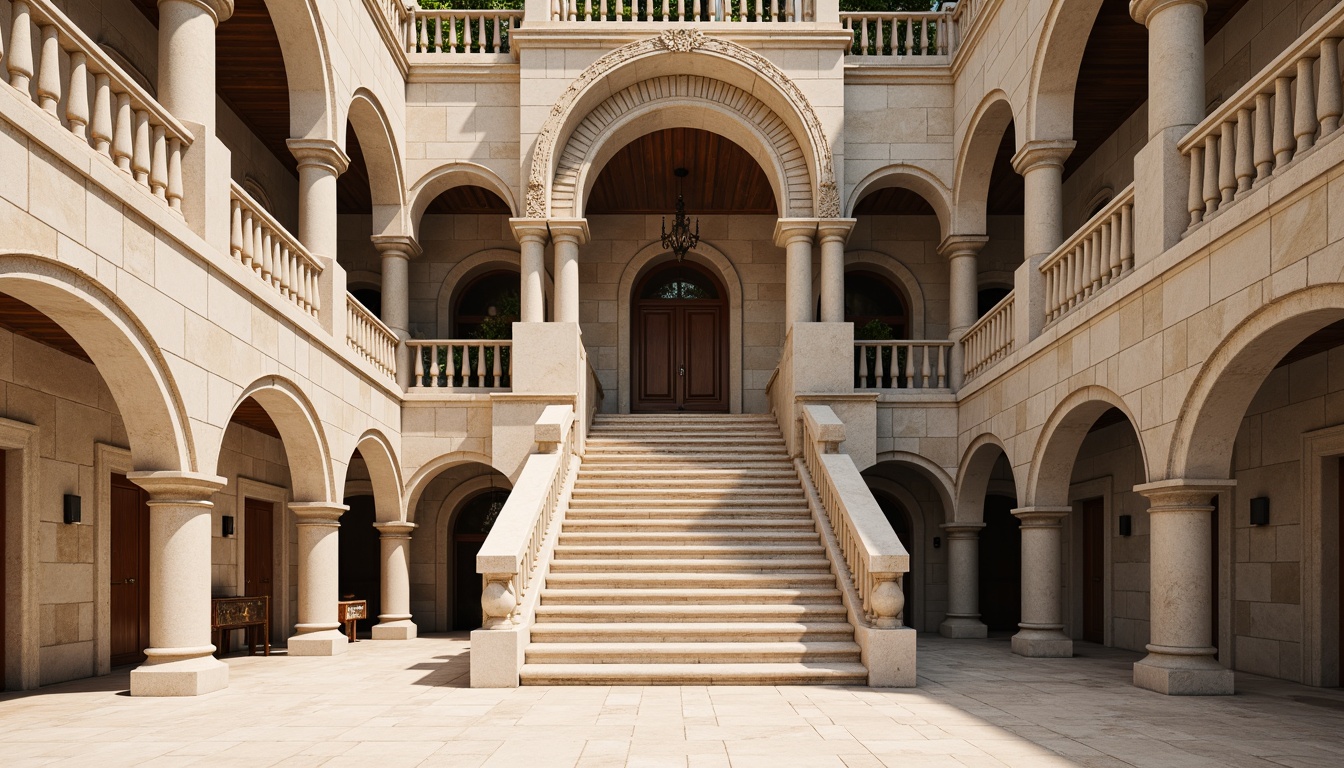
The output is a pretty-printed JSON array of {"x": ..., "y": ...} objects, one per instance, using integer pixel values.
[{"x": 249, "y": 613}]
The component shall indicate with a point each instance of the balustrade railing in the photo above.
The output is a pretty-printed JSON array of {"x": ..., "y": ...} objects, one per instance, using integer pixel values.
[
  {"x": 370, "y": 338},
  {"x": 1287, "y": 109},
  {"x": 873, "y": 553},
  {"x": 73, "y": 81},
  {"x": 683, "y": 10},
  {"x": 990, "y": 339},
  {"x": 899, "y": 34},
  {"x": 461, "y": 31},
  {"x": 260, "y": 243},
  {"x": 1099, "y": 253},
  {"x": 461, "y": 363},
  {"x": 901, "y": 364},
  {"x": 510, "y": 558}
]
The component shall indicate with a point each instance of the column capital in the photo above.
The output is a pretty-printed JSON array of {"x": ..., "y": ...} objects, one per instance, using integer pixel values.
[
  {"x": 319, "y": 513},
  {"x": 793, "y": 230},
  {"x": 1181, "y": 494},
  {"x": 962, "y": 530},
  {"x": 1143, "y": 11},
  {"x": 395, "y": 529},
  {"x": 962, "y": 245},
  {"x": 835, "y": 229},
  {"x": 323, "y": 153},
  {"x": 1042, "y": 154},
  {"x": 530, "y": 229},
  {"x": 220, "y": 10},
  {"x": 182, "y": 487},
  {"x": 404, "y": 246},
  {"x": 1041, "y": 517},
  {"x": 575, "y": 230}
]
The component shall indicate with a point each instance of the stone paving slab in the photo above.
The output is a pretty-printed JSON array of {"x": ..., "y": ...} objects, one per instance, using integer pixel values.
[{"x": 406, "y": 703}]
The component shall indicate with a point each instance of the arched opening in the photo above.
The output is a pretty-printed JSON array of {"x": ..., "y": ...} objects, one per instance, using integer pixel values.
[
  {"x": 472, "y": 523},
  {"x": 1000, "y": 564},
  {"x": 989, "y": 297},
  {"x": 879, "y": 312},
  {"x": 986, "y": 496},
  {"x": 915, "y": 500},
  {"x": 487, "y": 306},
  {"x": 904, "y": 527},
  {"x": 361, "y": 575},
  {"x": 679, "y": 343}
]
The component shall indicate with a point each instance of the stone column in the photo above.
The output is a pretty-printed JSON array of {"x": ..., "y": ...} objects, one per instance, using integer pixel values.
[
  {"x": 795, "y": 236},
  {"x": 179, "y": 659},
  {"x": 317, "y": 633},
  {"x": 961, "y": 252},
  {"x": 320, "y": 162},
  {"x": 1176, "y": 101},
  {"x": 568, "y": 235},
  {"x": 833, "y": 233},
  {"x": 963, "y": 582},
  {"x": 532, "y": 235},
  {"x": 394, "y": 623},
  {"x": 1042, "y": 627},
  {"x": 397, "y": 252},
  {"x": 1181, "y": 658},
  {"x": 1041, "y": 164},
  {"x": 186, "y": 88}
]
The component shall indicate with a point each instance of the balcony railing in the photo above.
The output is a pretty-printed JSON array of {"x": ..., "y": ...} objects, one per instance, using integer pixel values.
[
  {"x": 370, "y": 338},
  {"x": 458, "y": 31},
  {"x": 103, "y": 106},
  {"x": 260, "y": 243},
  {"x": 1287, "y": 109},
  {"x": 461, "y": 364},
  {"x": 901, "y": 364},
  {"x": 899, "y": 34},
  {"x": 990, "y": 339},
  {"x": 683, "y": 10},
  {"x": 1099, "y": 253}
]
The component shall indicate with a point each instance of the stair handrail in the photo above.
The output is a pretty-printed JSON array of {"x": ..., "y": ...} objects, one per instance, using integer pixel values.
[
  {"x": 512, "y": 557},
  {"x": 873, "y": 554}
]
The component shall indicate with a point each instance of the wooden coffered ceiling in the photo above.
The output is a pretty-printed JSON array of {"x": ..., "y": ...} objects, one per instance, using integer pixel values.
[{"x": 723, "y": 178}]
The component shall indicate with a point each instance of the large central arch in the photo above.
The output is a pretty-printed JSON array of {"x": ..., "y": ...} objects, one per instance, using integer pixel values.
[{"x": 769, "y": 113}]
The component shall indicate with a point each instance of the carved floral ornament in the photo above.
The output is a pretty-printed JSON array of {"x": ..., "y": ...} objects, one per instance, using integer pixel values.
[{"x": 826, "y": 200}]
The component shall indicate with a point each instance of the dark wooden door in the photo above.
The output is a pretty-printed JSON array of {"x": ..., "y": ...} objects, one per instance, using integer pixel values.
[
  {"x": 1213, "y": 576},
  {"x": 467, "y": 583},
  {"x": 1001, "y": 565},
  {"x": 1094, "y": 570},
  {"x": 679, "y": 348},
  {"x": 130, "y": 572},
  {"x": 4, "y": 573},
  {"x": 259, "y": 552},
  {"x": 1339, "y": 568}
]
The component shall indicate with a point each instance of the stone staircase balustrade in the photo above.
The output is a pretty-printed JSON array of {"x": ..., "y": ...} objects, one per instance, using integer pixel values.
[
  {"x": 260, "y": 243},
  {"x": 370, "y": 338},
  {"x": 1099, "y": 253},
  {"x": 901, "y": 364}
]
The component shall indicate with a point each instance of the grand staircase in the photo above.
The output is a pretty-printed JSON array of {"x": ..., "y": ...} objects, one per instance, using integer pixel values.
[{"x": 688, "y": 556}]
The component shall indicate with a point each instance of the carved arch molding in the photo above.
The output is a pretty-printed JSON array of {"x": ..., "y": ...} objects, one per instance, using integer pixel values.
[{"x": 822, "y": 201}]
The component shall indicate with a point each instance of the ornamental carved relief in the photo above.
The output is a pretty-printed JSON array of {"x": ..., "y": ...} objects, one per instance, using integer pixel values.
[{"x": 826, "y": 201}]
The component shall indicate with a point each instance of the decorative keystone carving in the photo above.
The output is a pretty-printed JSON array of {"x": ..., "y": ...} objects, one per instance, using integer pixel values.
[{"x": 681, "y": 40}]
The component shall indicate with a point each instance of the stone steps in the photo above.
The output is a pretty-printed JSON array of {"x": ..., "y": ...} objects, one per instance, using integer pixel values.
[
  {"x": 557, "y": 595},
  {"x": 692, "y": 653},
  {"x": 612, "y": 582},
  {"x": 650, "y": 526},
  {"x": 690, "y": 632}
]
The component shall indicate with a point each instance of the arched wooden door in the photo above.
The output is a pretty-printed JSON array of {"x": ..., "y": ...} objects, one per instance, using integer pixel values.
[{"x": 679, "y": 355}]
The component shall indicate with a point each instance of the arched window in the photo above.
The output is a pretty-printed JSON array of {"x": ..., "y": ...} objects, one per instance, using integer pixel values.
[
  {"x": 487, "y": 307},
  {"x": 680, "y": 282}
]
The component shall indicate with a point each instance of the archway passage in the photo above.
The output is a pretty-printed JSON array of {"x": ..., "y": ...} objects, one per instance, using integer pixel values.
[
  {"x": 679, "y": 347},
  {"x": 487, "y": 306},
  {"x": 473, "y": 523},
  {"x": 361, "y": 576},
  {"x": 1001, "y": 565}
]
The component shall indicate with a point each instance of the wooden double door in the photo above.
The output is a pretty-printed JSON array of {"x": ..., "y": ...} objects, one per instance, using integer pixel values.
[{"x": 679, "y": 355}]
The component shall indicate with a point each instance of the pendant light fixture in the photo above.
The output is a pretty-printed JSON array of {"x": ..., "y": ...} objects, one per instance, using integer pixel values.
[{"x": 681, "y": 239}]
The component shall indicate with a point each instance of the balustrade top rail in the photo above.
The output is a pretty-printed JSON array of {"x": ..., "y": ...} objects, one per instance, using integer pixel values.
[
  {"x": 683, "y": 10},
  {"x": 990, "y": 339},
  {"x": 900, "y": 34},
  {"x": 262, "y": 244},
  {"x": 461, "y": 364},
  {"x": 370, "y": 337},
  {"x": 901, "y": 364},
  {"x": 460, "y": 31}
]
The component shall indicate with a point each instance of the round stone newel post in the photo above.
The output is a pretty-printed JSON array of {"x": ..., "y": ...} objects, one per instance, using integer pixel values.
[
  {"x": 180, "y": 660},
  {"x": 394, "y": 623},
  {"x": 1042, "y": 627},
  {"x": 318, "y": 634},
  {"x": 963, "y": 582}
]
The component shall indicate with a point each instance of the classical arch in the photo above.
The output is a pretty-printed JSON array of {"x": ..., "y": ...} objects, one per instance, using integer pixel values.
[
  {"x": 415, "y": 486},
  {"x": 749, "y": 100},
  {"x": 462, "y": 273},
  {"x": 1204, "y": 434},
  {"x": 706, "y": 255},
  {"x": 892, "y": 269},
  {"x": 384, "y": 475},
  {"x": 119, "y": 345},
  {"x": 973, "y": 480},
  {"x": 306, "y": 448},
  {"x": 936, "y": 475},
  {"x": 383, "y": 158},
  {"x": 449, "y": 176},
  {"x": 443, "y": 523},
  {"x": 920, "y": 573},
  {"x": 913, "y": 178},
  {"x": 975, "y": 162},
  {"x": 312, "y": 96},
  {"x": 1054, "y": 71},
  {"x": 1063, "y": 434}
]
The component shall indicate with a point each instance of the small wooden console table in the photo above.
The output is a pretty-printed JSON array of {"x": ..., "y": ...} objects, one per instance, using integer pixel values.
[
  {"x": 350, "y": 612},
  {"x": 250, "y": 613}
]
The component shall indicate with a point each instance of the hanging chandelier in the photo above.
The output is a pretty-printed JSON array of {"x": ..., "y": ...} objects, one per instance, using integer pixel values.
[{"x": 681, "y": 239}]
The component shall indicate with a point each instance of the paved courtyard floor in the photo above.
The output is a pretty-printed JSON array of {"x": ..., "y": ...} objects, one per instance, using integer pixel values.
[{"x": 390, "y": 704}]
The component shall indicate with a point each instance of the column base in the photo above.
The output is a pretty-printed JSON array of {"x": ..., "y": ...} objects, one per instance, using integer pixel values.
[
  {"x": 963, "y": 628},
  {"x": 326, "y": 642},
  {"x": 1042, "y": 644},
  {"x": 396, "y": 629},
  {"x": 1183, "y": 675},
  {"x": 178, "y": 676}
]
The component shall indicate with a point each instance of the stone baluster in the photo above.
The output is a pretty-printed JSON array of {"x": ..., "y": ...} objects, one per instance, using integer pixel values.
[
  {"x": 1304, "y": 119},
  {"x": 1330, "y": 100},
  {"x": 101, "y": 127},
  {"x": 1245, "y": 163},
  {"x": 77, "y": 99},
  {"x": 1227, "y": 163},
  {"x": 49, "y": 71},
  {"x": 1284, "y": 143},
  {"x": 20, "y": 57}
]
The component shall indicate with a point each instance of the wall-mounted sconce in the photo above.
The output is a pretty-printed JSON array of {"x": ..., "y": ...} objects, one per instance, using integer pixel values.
[
  {"x": 226, "y": 526},
  {"x": 1260, "y": 510},
  {"x": 1126, "y": 525},
  {"x": 71, "y": 506},
  {"x": 937, "y": 542}
]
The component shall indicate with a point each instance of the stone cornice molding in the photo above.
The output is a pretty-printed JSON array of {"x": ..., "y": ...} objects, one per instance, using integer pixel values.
[
  {"x": 962, "y": 245},
  {"x": 396, "y": 245},
  {"x": 792, "y": 230},
  {"x": 1042, "y": 153},
  {"x": 220, "y": 10},
  {"x": 569, "y": 229},
  {"x": 320, "y": 152},
  {"x": 1143, "y": 11},
  {"x": 826, "y": 194},
  {"x": 1182, "y": 495}
]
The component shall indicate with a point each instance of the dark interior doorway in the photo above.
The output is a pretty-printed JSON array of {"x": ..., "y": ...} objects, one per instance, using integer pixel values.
[
  {"x": 361, "y": 571},
  {"x": 472, "y": 525},
  {"x": 129, "y": 572},
  {"x": 679, "y": 355},
  {"x": 1001, "y": 565},
  {"x": 1094, "y": 570}
]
